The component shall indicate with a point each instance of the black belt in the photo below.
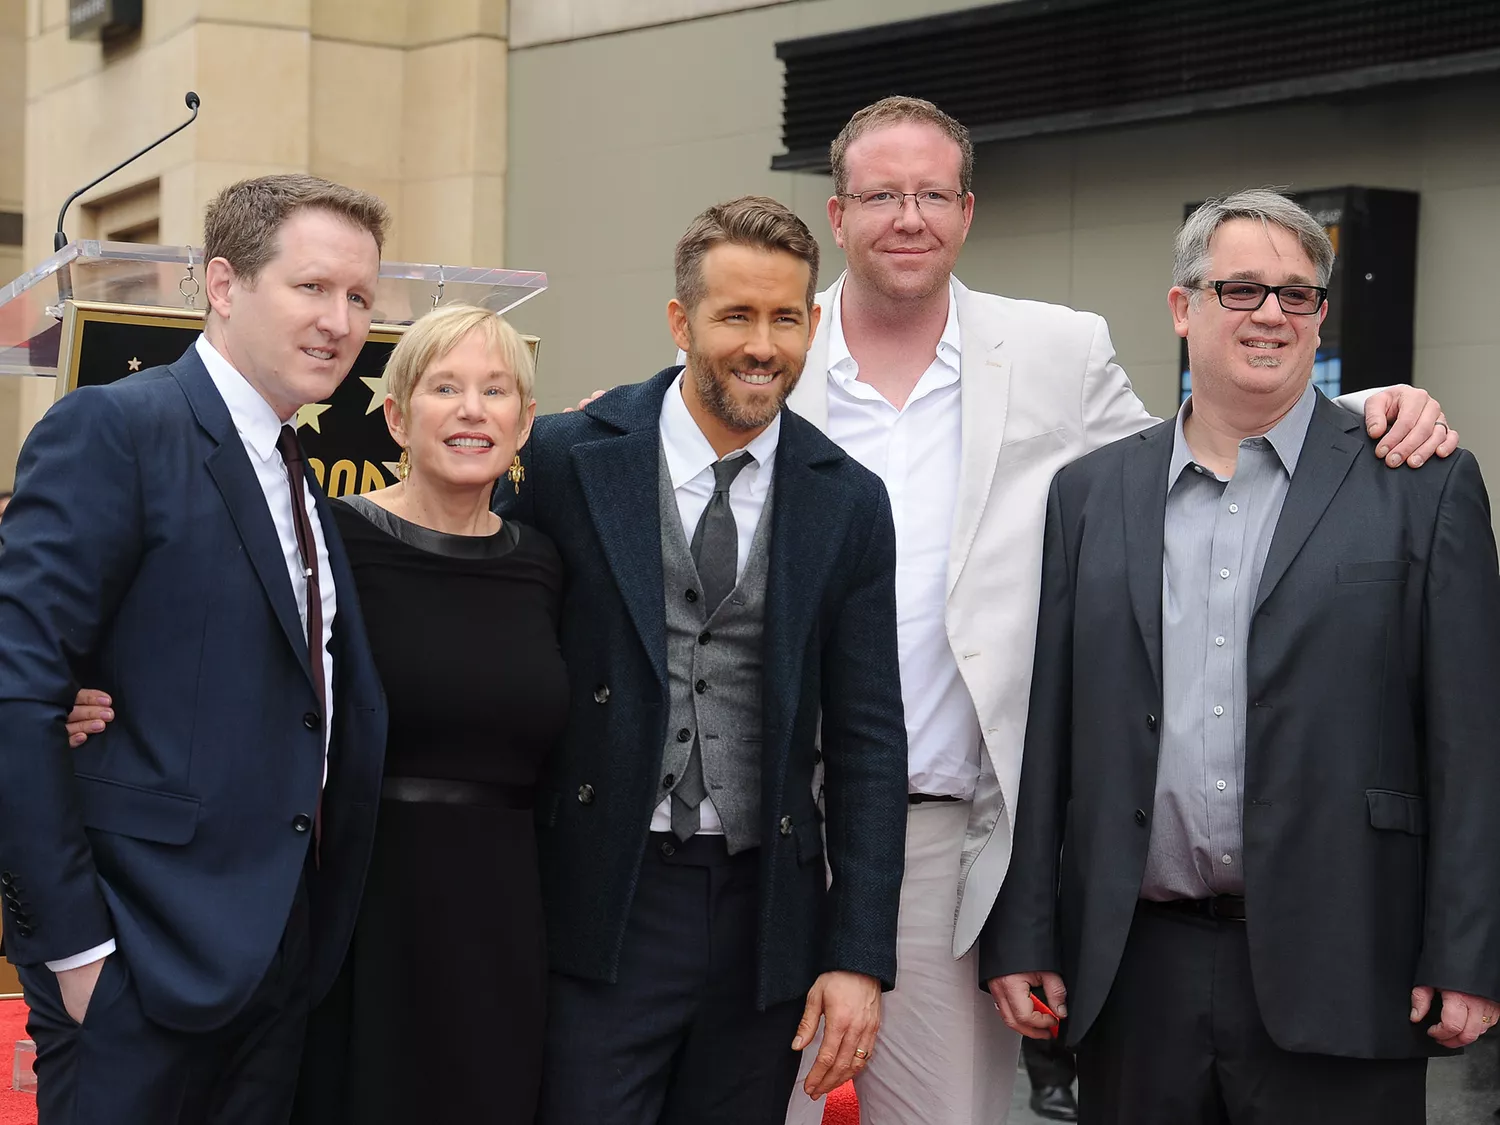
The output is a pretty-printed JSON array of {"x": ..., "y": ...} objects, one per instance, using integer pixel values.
[
  {"x": 925, "y": 798},
  {"x": 441, "y": 791},
  {"x": 1226, "y": 908}
]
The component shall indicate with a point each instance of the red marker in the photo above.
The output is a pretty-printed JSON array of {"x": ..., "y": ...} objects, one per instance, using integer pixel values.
[{"x": 1037, "y": 1005}]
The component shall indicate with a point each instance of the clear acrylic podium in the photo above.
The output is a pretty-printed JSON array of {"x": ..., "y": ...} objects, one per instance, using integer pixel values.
[{"x": 95, "y": 312}]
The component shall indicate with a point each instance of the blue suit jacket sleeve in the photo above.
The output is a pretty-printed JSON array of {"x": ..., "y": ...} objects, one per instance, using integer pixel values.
[
  {"x": 71, "y": 541},
  {"x": 864, "y": 755}
]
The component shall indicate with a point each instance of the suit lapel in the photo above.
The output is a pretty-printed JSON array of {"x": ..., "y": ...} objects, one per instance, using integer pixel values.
[
  {"x": 230, "y": 467},
  {"x": 803, "y": 500},
  {"x": 984, "y": 390},
  {"x": 1328, "y": 453},
  {"x": 619, "y": 477},
  {"x": 1144, "y": 485},
  {"x": 809, "y": 398}
]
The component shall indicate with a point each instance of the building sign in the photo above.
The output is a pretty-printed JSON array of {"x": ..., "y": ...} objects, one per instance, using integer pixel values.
[{"x": 102, "y": 19}]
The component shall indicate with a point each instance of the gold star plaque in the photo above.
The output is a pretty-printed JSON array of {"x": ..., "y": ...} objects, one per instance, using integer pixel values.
[{"x": 308, "y": 415}]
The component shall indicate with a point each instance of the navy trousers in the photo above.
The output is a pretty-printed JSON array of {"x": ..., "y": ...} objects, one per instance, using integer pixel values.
[
  {"x": 119, "y": 1068},
  {"x": 678, "y": 1041}
]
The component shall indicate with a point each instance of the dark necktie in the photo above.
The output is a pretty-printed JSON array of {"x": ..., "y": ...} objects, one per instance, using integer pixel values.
[
  {"x": 307, "y": 547},
  {"x": 716, "y": 548}
]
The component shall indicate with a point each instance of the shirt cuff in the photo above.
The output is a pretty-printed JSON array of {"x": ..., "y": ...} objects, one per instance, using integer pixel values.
[{"x": 87, "y": 957}]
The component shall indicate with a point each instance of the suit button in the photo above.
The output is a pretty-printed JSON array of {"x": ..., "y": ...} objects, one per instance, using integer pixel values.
[
  {"x": 667, "y": 849},
  {"x": 601, "y": 693},
  {"x": 6, "y": 878},
  {"x": 25, "y": 931},
  {"x": 691, "y": 595},
  {"x": 1140, "y": 817},
  {"x": 669, "y": 781},
  {"x": 1150, "y": 722},
  {"x": 585, "y": 794},
  {"x": 310, "y": 721},
  {"x": 301, "y": 822},
  {"x": 704, "y": 637},
  {"x": 684, "y": 735},
  {"x": 701, "y": 686},
  {"x": 786, "y": 826}
]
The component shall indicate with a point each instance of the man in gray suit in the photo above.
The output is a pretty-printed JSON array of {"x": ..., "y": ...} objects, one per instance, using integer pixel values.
[{"x": 1254, "y": 860}]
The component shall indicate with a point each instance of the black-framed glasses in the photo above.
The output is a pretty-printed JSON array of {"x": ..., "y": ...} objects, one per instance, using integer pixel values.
[
  {"x": 930, "y": 200},
  {"x": 1247, "y": 296}
]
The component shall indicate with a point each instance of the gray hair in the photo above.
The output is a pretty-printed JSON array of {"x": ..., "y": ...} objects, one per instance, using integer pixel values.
[{"x": 1191, "y": 258}]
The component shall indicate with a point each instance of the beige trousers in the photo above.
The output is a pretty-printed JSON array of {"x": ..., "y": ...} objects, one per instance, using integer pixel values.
[{"x": 944, "y": 1056}]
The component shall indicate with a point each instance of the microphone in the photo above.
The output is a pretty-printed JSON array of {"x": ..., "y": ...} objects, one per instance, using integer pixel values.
[{"x": 59, "y": 239}]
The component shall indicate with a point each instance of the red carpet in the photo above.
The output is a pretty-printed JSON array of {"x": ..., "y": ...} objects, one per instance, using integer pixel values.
[
  {"x": 842, "y": 1107},
  {"x": 15, "y": 1109},
  {"x": 20, "y": 1109}
]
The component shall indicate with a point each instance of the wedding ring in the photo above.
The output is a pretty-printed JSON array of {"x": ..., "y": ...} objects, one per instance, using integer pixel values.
[
  {"x": 862, "y": 1055},
  {"x": 1482, "y": 1019}
]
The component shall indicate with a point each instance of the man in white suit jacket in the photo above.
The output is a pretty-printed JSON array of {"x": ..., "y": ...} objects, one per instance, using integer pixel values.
[{"x": 965, "y": 404}]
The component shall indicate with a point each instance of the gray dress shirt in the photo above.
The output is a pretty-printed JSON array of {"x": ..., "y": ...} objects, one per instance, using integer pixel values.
[{"x": 1216, "y": 534}]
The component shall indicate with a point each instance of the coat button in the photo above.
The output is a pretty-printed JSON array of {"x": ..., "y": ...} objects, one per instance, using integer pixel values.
[
  {"x": 1150, "y": 722},
  {"x": 601, "y": 693},
  {"x": 691, "y": 595},
  {"x": 6, "y": 878},
  {"x": 684, "y": 735},
  {"x": 668, "y": 849},
  {"x": 585, "y": 794},
  {"x": 1140, "y": 816},
  {"x": 669, "y": 781},
  {"x": 701, "y": 686},
  {"x": 25, "y": 931},
  {"x": 786, "y": 826},
  {"x": 311, "y": 721},
  {"x": 704, "y": 637},
  {"x": 301, "y": 822}
]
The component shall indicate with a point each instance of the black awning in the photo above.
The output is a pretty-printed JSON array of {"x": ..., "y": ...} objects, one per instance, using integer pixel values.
[{"x": 1031, "y": 67}]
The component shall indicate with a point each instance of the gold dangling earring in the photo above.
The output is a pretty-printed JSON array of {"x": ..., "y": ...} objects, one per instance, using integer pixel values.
[
  {"x": 516, "y": 473},
  {"x": 403, "y": 466}
]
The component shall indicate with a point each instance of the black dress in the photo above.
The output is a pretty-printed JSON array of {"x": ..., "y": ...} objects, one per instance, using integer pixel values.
[{"x": 438, "y": 1013}]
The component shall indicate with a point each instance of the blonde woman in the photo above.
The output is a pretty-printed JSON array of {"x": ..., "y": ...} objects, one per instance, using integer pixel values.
[{"x": 437, "y": 1013}]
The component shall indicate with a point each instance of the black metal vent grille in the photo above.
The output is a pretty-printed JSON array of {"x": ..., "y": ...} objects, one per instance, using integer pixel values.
[{"x": 1047, "y": 66}]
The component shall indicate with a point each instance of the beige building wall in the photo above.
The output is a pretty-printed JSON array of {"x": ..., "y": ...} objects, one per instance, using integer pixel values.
[
  {"x": 618, "y": 140},
  {"x": 405, "y": 98}
]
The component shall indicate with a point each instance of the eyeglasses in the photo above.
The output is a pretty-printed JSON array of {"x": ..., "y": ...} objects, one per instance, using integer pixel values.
[
  {"x": 930, "y": 200},
  {"x": 1247, "y": 296}
]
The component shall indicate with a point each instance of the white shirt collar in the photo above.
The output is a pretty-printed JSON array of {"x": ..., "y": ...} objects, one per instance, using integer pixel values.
[
  {"x": 842, "y": 365},
  {"x": 257, "y": 424},
  {"x": 688, "y": 452}
]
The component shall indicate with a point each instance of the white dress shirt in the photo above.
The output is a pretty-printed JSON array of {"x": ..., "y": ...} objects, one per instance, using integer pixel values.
[
  {"x": 259, "y": 429},
  {"x": 917, "y": 452},
  {"x": 690, "y": 461}
]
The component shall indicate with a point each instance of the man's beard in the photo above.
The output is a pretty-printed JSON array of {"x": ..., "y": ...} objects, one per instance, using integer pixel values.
[{"x": 715, "y": 382}]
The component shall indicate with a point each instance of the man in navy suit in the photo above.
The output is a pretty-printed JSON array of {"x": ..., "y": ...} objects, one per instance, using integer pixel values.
[
  {"x": 730, "y": 633},
  {"x": 178, "y": 890}
]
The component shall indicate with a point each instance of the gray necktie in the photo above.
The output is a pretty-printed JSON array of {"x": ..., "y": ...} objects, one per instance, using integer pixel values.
[{"x": 716, "y": 548}]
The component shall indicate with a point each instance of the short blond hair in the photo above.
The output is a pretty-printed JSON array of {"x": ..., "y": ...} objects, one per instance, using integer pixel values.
[
  {"x": 897, "y": 111},
  {"x": 437, "y": 333}
]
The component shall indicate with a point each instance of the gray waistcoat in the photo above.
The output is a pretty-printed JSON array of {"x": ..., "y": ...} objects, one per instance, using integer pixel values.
[{"x": 716, "y": 687}]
